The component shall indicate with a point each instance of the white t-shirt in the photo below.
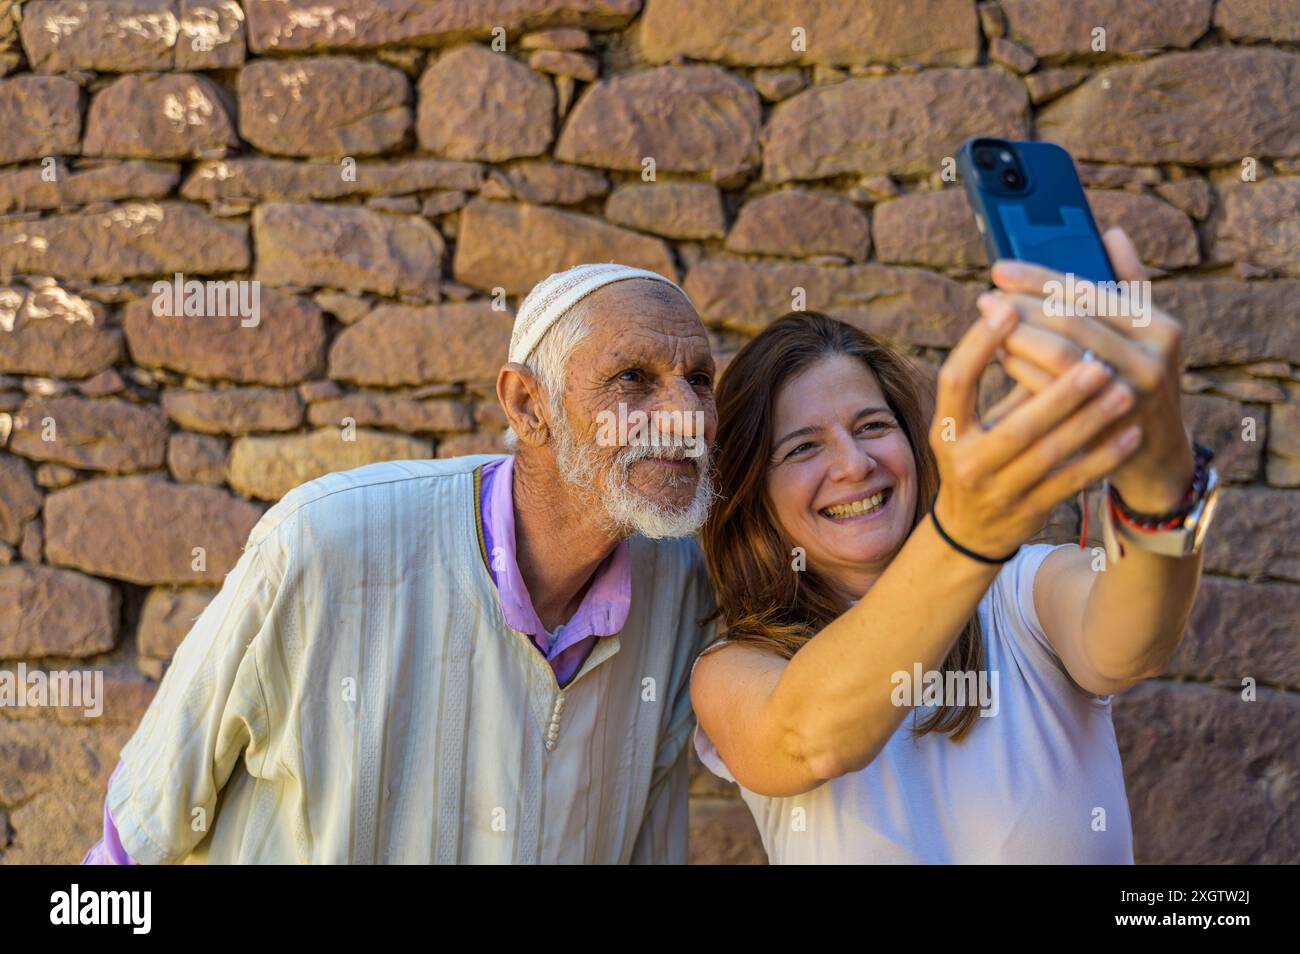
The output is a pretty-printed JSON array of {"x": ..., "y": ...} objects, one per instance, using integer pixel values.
[{"x": 1039, "y": 782}]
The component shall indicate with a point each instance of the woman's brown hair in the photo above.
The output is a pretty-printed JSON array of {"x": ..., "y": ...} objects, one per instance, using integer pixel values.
[{"x": 761, "y": 600}]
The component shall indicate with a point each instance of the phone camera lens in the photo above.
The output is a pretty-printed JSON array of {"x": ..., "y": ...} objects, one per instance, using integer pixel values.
[
  {"x": 985, "y": 157},
  {"x": 1012, "y": 179}
]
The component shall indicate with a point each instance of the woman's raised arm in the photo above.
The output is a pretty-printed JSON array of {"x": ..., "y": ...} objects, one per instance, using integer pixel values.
[{"x": 1112, "y": 624}]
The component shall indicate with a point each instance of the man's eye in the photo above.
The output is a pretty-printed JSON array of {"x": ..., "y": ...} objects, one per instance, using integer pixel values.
[
  {"x": 702, "y": 380},
  {"x": 631, "y": 374}
]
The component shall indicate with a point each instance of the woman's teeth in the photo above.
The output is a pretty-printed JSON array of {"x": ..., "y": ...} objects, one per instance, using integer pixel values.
[{"x": 857, "y": 507}]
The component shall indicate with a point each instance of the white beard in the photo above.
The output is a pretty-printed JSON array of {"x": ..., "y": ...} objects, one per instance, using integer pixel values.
[{"x": 610, "y": 492}]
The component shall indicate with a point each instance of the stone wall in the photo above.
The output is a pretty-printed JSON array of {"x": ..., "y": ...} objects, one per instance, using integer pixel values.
[{"x": 397, "y": 173}]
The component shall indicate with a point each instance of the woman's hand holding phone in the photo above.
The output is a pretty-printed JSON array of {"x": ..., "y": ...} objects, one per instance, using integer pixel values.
[
  {"x": 999, "y": 483},
  {"x": 1146, "y": 357}
]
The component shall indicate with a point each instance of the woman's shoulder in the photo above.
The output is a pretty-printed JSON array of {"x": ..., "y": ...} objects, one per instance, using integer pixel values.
[
  {"x": 738, "y": 668},
  {"x": 738, "y": 649}
]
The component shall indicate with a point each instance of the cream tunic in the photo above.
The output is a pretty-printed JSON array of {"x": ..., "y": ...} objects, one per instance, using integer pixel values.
[{"x": 353, "y": 695}]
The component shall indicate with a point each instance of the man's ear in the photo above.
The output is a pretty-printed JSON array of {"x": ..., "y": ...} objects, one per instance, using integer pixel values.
[{"x": 523, "y": 399}]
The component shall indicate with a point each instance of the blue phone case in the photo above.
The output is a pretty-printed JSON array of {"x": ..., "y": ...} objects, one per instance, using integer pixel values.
[{"x": 1049, "y": 223}]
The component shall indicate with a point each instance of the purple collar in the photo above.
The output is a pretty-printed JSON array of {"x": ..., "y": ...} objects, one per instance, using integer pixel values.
[{"x": 603, "y": 611}]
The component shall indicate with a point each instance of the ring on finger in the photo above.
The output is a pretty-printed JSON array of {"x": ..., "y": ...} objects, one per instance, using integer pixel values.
[{"x": 1090, "y": 355}]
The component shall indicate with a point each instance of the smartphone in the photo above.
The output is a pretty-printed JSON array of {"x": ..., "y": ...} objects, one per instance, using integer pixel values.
[{"x": 1029, "y": 205}]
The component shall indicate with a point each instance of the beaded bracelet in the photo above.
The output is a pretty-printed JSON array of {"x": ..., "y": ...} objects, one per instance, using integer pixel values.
[
  {"x": 1154, "y": 522},
  {"x": 1175, "y": 517}
]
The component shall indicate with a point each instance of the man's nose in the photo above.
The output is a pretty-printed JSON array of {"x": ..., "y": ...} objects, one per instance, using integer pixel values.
[
  {"x": 677, "y": 400},
  {"x": 676, "y": 394}
]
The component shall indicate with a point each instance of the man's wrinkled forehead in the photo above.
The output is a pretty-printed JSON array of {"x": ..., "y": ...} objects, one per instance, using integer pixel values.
[{"x": 640, "y": 315}]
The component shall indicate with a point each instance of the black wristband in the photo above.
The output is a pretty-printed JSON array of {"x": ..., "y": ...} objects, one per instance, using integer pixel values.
[{"x": 957, "y": 546}]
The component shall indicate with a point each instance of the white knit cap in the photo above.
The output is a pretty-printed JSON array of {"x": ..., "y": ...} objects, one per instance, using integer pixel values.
[{"x": 552, "y": 297}]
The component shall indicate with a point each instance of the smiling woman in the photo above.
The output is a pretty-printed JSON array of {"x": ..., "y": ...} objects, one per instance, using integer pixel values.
[
  {"x": 833, "y": 589},
  {"x": 808, "y": 394}
]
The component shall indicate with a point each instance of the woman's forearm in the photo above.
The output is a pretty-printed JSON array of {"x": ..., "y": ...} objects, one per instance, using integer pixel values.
[
  {"x": 1138, "y": 606},
  {"x": 1136, "y": 613},
  {"x": 833, "y": 701}
]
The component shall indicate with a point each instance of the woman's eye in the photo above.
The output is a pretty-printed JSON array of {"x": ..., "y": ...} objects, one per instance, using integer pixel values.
[
  {"x": 802, "y": 447},
  {"x": 702, "y": 380},
  {"x": 882, "y": 425}
]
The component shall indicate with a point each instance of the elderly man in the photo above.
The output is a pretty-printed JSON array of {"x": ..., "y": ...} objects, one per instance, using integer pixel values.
[{"x": 482, "y": 659}]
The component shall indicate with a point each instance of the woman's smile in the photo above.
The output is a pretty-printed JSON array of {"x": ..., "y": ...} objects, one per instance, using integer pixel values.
[{"x": 860, "y": 509}]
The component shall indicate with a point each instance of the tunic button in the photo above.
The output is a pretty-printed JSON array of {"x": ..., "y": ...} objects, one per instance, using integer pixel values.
[{"x": 550, "y": 745}]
